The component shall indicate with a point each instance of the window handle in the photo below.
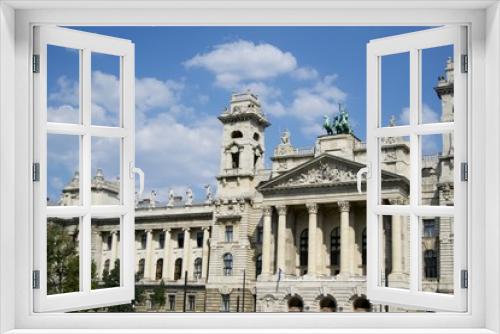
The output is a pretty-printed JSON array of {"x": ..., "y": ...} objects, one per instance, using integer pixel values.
[
  {"x": 359, "y": 178},
  {"x": 136, "y": 170}
]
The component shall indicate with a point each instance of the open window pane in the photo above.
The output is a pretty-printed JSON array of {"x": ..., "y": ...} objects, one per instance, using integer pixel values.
[
  {"x": 437, "y": 244},
  {"x": 436, "y": 191},
  {"x": 437, "y": 169},
  {"x": 70, "y": 156},
  {"x": 106, "y": 171},
  {"x": 63, "y": 170},
  {"x": 395, "y": 89},
  {"x": 394, "y": 166},
  {"x": 63, "y": 255},
  {"x": 63, "y": 84},
  {"x": 106, "y": 252},
  {"x": 394, "y": 241},
  {"x": 437, "y": 85},
  {"x": 106, "y": 90}
]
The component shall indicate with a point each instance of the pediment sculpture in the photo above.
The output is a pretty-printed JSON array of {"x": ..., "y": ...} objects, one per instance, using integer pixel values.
[{"x": 324, "y": 173}]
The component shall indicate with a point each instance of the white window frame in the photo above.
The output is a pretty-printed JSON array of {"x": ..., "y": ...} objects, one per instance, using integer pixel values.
[
  {"x": 16, "y": 19},
  {"x": 86, "y": 43},
  {"x": 413, "y": 43}
]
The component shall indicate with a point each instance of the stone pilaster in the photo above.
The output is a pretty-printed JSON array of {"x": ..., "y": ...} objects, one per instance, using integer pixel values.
[
  {"x": 312, "y": 208},
  {"x": 186, "y": 262},
  {"x": 167, "y": 255},
  {"x": 266, "y": 241},
  {"x": 114, "y": 249},
  {"x": 345, "y": 247},
  {"x": 148, "y": 275},
  {"x": 281, "y": 251},
  {"x": 205, "y": 251}
]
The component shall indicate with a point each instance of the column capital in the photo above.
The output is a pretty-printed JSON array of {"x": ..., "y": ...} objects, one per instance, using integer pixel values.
[
  {"x": 312, "y": 207},
  {"x": 281, "y": 210},
  {"x": 266, "y": 210},
  {"x": 344, "y": 206},
  {"x": 148, "y": 230},
  {"x": 114, "y": 232},
  {"x": 398, "y": 201},
  {"x": 167, "y": 230},
  {"x": 186, "y": 229},
  {"x": 206, "y": 228}
]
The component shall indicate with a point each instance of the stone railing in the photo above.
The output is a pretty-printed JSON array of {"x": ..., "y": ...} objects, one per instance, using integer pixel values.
[{"x": 296, "y": 151}]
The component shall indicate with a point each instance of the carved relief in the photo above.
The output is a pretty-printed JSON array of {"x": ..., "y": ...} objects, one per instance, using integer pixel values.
[{"x": 324, "y": 173}]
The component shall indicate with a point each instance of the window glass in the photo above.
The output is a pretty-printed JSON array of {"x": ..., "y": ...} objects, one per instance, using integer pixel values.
[{"x": 63, "y": 85}]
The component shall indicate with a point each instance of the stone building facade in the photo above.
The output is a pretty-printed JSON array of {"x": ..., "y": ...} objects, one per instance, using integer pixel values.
[{"x": 292, "y": 234}]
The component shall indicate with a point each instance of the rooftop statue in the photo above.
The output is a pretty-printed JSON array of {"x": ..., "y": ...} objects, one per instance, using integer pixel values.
[{"x": 339, "y": 125}]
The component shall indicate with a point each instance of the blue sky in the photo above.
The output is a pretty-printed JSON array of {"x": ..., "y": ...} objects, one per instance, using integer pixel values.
[{"x": 185, "y": 76}]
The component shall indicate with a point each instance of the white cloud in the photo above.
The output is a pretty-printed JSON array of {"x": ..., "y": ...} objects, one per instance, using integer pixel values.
[
  {"x": 172, "y": 153},
  {"x": 238, "y": 61},
  {"x": 305, "y": 73},
  {"x": 66, "y": 92},
  {"x": 428, "y": 115},
  {"x": 311, "y": 104}
]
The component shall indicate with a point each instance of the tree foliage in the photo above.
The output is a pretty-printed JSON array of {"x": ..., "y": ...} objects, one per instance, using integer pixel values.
[
  {"x": 63, "y": 262},
  {"x": 158, "y": 298}
]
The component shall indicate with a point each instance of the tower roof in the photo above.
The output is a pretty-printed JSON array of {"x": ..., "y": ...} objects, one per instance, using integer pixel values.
[{"x": 244, "y": 106}]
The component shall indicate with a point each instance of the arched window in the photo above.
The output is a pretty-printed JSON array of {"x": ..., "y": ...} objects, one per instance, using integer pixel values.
[
  {"x": 159, "y": 269},
  {"x": 197, "y": 268},
  {"x": 236, "y": 134},
  {"x": 328, "y": 304},
  {"x": 258, "y": 265},
  {"x": 295, "y": 304},
  {"x": 430, "y": 263},
  {"x": 228, "y": 264},
  {"x": 335, "y": 247},
  {"x": 140, "y": 271},
  {"x": 363, "y": 247},
  {"x": 105, "y": 269},
  {"x": 304, "y": 247},
  {"x": 178, "y": 269}
]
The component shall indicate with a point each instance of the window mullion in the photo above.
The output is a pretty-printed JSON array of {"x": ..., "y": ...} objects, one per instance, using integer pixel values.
[
  {"x": 85, "y": 258},
  {"x": 414, "y": 170}
]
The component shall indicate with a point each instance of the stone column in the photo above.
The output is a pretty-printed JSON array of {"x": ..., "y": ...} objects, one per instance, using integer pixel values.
[
  {"x": 186, "y": 261},
  {"x": 266, "y": 241},
  {"x": 281, "y": 251},
  {"x": 397, "y": 249},
  {"x": 166, "y": 254},
  {"x": 114, "y": 248},
  {"x": 345, "y": 245},
  {"x": 205, "y": 251},
  {"x": 149, "y": 255},
  {"x": 312, "y": 208}
]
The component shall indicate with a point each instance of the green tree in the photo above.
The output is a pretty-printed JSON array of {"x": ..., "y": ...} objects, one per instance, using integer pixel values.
[
  {"x": 63, "y": 262},
  {"x": 158, "y": 297}
]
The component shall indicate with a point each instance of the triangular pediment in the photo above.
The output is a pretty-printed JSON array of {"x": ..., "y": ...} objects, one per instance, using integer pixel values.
[{"x": 324, "y": 170}]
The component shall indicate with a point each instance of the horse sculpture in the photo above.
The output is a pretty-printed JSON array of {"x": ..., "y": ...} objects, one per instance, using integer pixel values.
[{"x": 339, "y": 125}]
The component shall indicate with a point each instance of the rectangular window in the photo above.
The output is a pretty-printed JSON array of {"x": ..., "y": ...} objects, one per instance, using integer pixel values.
[
  {"x": 229, "y": 233},
  {"x": 199, "y": 239},
  {"x": 161, "y": 240},
  {"x": 259, "y": 234},
  {"x": 171, "y": 302},
  {"x": 180, "y": 240},
  {"x": 191, "y": 303},
  {"x": 225, "y": 303}
]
